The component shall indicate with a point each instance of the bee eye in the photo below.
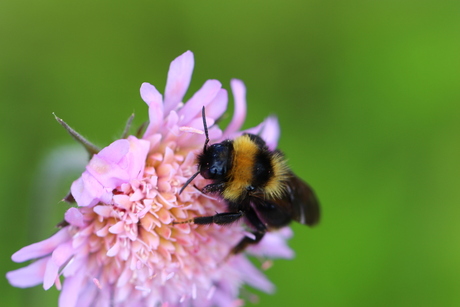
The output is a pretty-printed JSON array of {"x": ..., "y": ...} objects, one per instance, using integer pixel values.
[{"x": 215, "y": 162}]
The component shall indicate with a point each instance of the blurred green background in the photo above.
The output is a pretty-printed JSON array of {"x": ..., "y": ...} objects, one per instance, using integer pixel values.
[{"x": 367, "y": 94}]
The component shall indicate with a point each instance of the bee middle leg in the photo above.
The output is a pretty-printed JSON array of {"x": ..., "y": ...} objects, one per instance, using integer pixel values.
[{"x": 259, "y": 232}]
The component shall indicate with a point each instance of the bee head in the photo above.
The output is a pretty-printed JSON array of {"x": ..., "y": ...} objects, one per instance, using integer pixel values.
[{"x": 215, "y": 161}]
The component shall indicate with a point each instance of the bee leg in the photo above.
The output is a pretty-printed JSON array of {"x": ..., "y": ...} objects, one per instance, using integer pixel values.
[
  {"x": 241, "y": 246},
  {"x": 260, "y": 230},
  {"x": 213, "y": 188},
  {"x": 219, "y": 219}
]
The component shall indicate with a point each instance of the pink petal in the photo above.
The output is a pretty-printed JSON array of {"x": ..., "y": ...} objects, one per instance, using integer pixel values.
[
  {"x": 71, "y": 289},
  {"x": 122, "y": 201},
  {"x": 118, "y": 228},
  {"x": 120, "y": 162},
  {"x": 218, "y": 105},
  {"x": 239, "y": 95},
  {"x": 108, "y": 166},
  {"x": 271, "y": 132},
  {"x": 115, "y": 152},
  {"x": 113, "y": 251},
  {"x": 28, "y": 276},
  {"x": 86, "y": 190},
  {"x": 171, "y": 120},
  {"x": 137, "y": 155},
  {"x": 194, "y": 140},
  {"x": 179, "y": 76},
  {"x": 43, "y": 248},
  {"x": 59, "y": 257},
  {"x": 103, "y": 211},
  {"x": 155, "y": 102},
  {"x": 51, "y": 274},
  {"x": 151, "y": 95},
  {"x": 74, "y": 217},
  {"x": 192, "y": 109},
  {"x": 254, "y": 277},
  {"x": 274, "y": 245}
]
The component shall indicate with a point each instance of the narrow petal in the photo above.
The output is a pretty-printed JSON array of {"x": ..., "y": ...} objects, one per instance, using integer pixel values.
[
  {"x": 254, "y": 277},
  {"x": 28, "y": 276},
  {"x": 271, "y": 132},
  {"x": 216, "y": 108},
  {"x": 239, "y": 95},
  {"x": 51, "y": 273},
  {"x": 71, "y": 290},
  {"x": 43, "y": 248},
  {"x": 204, "y": 96},
  {"x": 150, "y": 94},
  {"x": 179, "y": 76},
  {"x": 59, "y": 257},
  {"x": 155, "y": 102}
]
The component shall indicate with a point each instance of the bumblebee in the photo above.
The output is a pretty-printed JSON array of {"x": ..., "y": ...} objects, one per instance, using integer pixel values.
[{"x": 256, "y": 184}]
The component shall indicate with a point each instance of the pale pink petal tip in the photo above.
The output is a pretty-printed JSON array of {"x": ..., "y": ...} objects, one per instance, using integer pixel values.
[
  {"x": 270, "y": 132},
  {"x": 150, "y": 94},
  {"x": 40, "y": 249},
  {"x": 179, "y": 76},
  {"x": 29, "y": 276}
]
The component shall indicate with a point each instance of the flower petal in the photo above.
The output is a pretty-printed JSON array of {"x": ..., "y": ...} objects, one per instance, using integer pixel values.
[
  {"x": 271, "y": 132},
  {"x": 274, "y": 238},
  {"x": 254, "y": 277},
  {"x": 28, "y": 276},
  {"x": 216, "y": 108},
  {"x": 109, "y": 165},
  {"x": 120, "y": 162},
  {"x": 72, "y": 289},
  {"x": 239, "y": 95},
  {"x": 87, "y": 191},
  {"x": 42, "y": 248},
  {"x": 137, "y": 155},
  {"x": 204, "y": 96},
  {"x": 74, "y": 217},
  {"x": 150, "y": 94},
  {"x": 59, "y": 257},
  {"x": 179, "y": 76},
  {"x": 155, "y": 102}
]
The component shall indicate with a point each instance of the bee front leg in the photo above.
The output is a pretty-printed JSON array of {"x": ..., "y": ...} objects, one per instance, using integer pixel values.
[
  {"x": 219, "y": 219},
  {"x": 213, "y": 188}
]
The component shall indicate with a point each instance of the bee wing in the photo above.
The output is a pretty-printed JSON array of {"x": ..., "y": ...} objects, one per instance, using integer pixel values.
[
  {"x": 298, "y": 203},
  {"x": 305, "y": 205}
]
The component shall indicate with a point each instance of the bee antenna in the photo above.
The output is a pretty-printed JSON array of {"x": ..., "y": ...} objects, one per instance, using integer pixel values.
[
  {"x": 188, "y": 182},
  {"x": 203, "y": 114},
  {"x": 205, "y": 130}
]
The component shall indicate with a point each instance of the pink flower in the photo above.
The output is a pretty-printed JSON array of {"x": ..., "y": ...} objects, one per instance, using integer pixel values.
[{"x": 119, "y": 247}]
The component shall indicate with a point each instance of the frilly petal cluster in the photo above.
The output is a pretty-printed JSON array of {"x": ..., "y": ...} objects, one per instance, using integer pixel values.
[{"x": 119, "y": 246}]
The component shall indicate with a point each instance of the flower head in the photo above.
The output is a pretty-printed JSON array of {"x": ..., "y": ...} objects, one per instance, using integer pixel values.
[{"x": 119, "y": 247}]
